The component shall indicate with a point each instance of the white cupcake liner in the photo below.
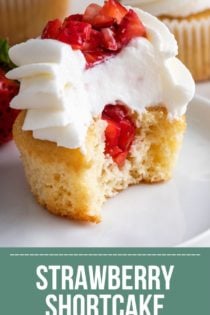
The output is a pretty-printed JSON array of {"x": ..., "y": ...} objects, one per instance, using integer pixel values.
[
  {"x": 23, "y": 19},
  {"x": 193, "y": 37}
]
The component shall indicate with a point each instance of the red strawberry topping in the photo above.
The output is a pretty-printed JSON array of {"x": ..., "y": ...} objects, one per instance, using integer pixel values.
[
  {"x": 73, "y": 17},
  {"x": 75, "y": 33},
  {"x": 114, "y": 9},
  {"x": 119, "y": 133},
  {"x": 52, "y": 29},
  {"x": 109, "y": 40},
  {"x": 130, "y": 27},
  {"x": 94, "y": 42},
  {"x": 99, "y": 33},
  {"x": 95, "y": 57},
  {"x": 8, "y": 89},
  {"x": 91, "y": 12},
  {"x": 93, "y": 15}
]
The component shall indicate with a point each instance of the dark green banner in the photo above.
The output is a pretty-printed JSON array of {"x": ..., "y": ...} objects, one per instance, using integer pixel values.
[{"x": 105, "y": 281}]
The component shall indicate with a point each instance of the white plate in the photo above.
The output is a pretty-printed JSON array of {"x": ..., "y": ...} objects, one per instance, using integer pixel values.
[{"x": 147, "y": 215}]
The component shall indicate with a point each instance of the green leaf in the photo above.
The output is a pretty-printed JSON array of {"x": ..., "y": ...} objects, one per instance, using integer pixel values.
[{"x": 5, "y": 61}]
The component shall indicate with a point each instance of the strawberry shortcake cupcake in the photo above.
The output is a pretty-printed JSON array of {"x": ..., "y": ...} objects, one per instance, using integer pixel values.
[{"x": 103, "y": 102}]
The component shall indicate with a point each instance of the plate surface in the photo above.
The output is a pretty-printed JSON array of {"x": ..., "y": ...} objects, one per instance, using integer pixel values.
[{"x": 166, "y": 214}]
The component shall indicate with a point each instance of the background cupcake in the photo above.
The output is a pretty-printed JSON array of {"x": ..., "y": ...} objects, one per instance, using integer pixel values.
[
  {"x": 23, "y": 19},
  {"x": 189, "y": 20}
]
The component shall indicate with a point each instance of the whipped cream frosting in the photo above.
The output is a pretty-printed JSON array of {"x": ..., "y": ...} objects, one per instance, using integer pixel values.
[
  {"x": 174, "y": 8},
  {"x": 62, "y": 97}
]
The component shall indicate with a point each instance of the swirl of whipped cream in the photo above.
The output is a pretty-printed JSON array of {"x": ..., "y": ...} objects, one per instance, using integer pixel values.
[
  {"x": 174, "y": 8},
  {"x": 61, "y": 96}
]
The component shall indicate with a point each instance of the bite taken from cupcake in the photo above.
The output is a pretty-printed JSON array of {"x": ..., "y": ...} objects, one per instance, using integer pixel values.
[{"x": 103, "y": 101}]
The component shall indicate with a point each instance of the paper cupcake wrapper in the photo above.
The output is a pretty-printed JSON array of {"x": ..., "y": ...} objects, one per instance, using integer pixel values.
[
  {"x": 23, "y": 19},
  {"x": 193, "y": 39}
]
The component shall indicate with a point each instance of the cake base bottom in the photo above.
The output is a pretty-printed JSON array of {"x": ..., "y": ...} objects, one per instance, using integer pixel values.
[{"x": 74, "y": 185}]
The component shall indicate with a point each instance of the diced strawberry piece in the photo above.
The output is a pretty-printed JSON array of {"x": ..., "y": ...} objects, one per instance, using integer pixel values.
[
  {"x": 114, "y": 9},
  {"x": 120, "y": 158},
  {"x": 127, "y": 134},
  {"x": 130, "y": 27},
  {"x": 8, "y": 89},
  {"x": 75, "y": 33},
  {"x": 73, "y": 17},
  {"x": 94, "y": 42},
  {"x": 109, "y": 41},
  {"x": 105, "y": 16},
  {"x": 101, "y": 21},
  {"x": 114, "y": 151},
  {"x": 52, "y": 29},
  {"x": 112, "y": 133},
  {"x": 120, "y": 131},
  {"x": 91, "y": 12},
  {"x": 116, "y": 112},
  {"x": 95, "y": 57},
  {"x": 97, "y": 19}
]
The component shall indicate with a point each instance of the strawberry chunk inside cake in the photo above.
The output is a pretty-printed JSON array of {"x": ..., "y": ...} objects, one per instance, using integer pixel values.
[{"x": 119, "y": 133}]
